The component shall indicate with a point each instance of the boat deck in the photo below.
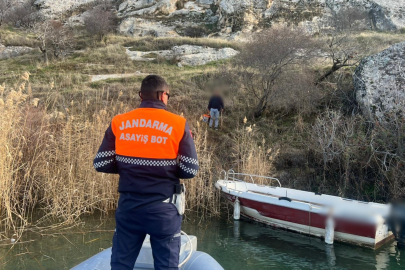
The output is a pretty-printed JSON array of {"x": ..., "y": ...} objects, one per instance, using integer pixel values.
[{"x": 295, "y": 200}]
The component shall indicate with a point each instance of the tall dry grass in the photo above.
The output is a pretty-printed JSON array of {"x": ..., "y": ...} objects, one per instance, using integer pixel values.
[
  {"x": 251, "y": 155},
  {"x": 12, "y": 185},
  {"x": 46, "y": 159},
  {"x": 201, "y": 193}
]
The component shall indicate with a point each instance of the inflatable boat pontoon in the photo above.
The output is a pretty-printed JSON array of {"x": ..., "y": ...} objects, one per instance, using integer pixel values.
[{"x": 196, "y": 260}]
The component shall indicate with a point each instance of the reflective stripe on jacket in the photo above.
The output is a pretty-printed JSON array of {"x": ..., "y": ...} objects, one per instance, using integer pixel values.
[{"x": 150, "y": 148}]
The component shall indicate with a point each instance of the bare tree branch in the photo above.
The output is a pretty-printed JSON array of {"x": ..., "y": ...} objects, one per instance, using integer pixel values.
[{"x": 267, "y": 56}]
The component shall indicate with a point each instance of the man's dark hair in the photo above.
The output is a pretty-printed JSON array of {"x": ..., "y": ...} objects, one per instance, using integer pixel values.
[{"x": 151, "y": 85}]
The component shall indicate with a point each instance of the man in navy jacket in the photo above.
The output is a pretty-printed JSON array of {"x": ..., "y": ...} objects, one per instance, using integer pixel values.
[
  {"x": 151, "y": 149},
  {"x": 215, "y": 106}
]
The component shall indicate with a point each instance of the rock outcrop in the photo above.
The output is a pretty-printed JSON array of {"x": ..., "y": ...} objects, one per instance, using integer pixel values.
[
  {"x": 227, "y": 17},
  {"x": 138, "y": 27},
  {"x": 186, "y": 55},
  {"x": 13, "y": 51},
  {"x": 164, "y": 17},
  {"x": 192, "y": 55},
  {"x": 50, "y": 8},
  {"x": 380, "y": 84},
  {"x": 146, "y": 7}
]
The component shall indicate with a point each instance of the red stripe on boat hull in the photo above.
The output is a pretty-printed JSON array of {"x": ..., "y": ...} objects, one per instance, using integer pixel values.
[{"x": 306, "y": 218}]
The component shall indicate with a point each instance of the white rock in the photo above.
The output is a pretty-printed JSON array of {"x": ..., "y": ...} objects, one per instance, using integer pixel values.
[
  {"x": 96, "y": 78},
  {"x": 132, "y": 5},
  {"x": 394, "y": 10},
  {"x": 146, "y": 7},
  {"x": 227, "y": 30},
  {"x": 78, "y": 20},
  {"x": 193, "y": 6},
  {"x": 140, "y": 56},
  {"x": 382, "y": 14},
  {"x": 205, "y": 3},
  {"x": 50, "y": 8},
  {"x": 198, "y": 55},
  {"x": 189, "y": 55},
  {"x": 380, "y": 84},
  {"x": 13, "y": 51},
  {"x": 232, "y": 6},
  {"x": 138, "y": 27},
  {"x": 165, "y": 7},
  {"x": 190, "y": 8}
]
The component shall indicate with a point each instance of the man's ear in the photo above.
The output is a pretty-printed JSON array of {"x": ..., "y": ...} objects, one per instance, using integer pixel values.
[{"x": 140, "y": 95}]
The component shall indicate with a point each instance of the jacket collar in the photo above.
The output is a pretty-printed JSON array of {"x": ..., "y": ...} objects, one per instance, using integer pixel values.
[{"x": 152, "y": 103}]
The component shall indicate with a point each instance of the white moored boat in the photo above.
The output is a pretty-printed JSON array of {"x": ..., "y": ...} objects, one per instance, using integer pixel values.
[{"x": 355, "y": 222}]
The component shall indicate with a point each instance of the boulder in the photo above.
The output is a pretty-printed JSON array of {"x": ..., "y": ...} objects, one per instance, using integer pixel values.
[
  {"x": 379, "y": 82},
  {"x": 191, "y": 55},
  {"x": 146, "y": 7},
  {"x": 132, "y": 5},
  {"x": 143, "y": 56},
  {"x": 193, "y": 6},
  {"x": 187, "y": 55},
  {"x": 316, "y": 15},
  {"x": 241, "y": 15},
  {"x": 205, "y": 3},
  {"x": 78, "y": 20},
  {"x": 138, "y": 27},
  {"x": 190, "y": 9},
  {"x": 394, "y": 10},
  {"x": 235, "y": 6},
  {"x": 13, "y": 51}
]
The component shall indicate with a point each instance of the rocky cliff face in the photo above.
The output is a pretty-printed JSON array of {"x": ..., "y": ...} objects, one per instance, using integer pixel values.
[
  {"x": 380, "y": 84},
  {"x": 230, "y": 17}
]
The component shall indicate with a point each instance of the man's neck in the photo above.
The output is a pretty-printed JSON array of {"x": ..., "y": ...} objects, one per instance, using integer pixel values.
[{"x": 152, "y": 103}]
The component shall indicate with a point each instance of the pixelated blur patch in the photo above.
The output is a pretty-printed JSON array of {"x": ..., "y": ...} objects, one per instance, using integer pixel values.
[{"x": 191, "y": 133}]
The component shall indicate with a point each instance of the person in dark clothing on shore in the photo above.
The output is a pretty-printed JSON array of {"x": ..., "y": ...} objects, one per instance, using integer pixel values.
[{"x": 215, "y": 106}]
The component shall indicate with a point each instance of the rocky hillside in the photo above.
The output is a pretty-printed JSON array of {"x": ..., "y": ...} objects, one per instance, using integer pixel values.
[{"x": 231, "y": 18}]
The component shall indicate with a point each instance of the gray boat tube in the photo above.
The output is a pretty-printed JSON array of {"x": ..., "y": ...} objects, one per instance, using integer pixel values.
[{"x": 196, "y": 261}]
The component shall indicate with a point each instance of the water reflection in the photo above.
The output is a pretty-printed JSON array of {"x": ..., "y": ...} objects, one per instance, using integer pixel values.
[
  {"x": 245, "y": 245},
  {"x": 236, "y": 245}
]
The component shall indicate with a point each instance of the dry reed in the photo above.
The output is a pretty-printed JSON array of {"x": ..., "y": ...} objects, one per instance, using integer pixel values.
[
  {"x": 251, "y": 155},
  {"x": 46, "y": 155}
]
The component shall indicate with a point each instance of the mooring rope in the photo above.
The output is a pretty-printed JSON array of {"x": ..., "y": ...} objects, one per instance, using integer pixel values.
[{"x": 191, "y": 249}]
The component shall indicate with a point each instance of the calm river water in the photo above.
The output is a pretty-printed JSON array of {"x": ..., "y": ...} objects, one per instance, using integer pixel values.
[{"x": 235, "y": 245}]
